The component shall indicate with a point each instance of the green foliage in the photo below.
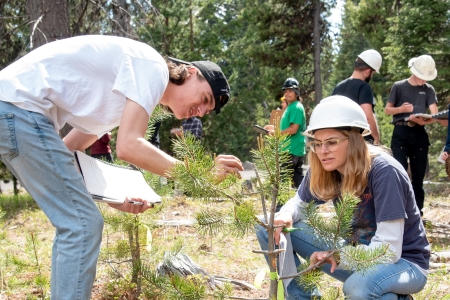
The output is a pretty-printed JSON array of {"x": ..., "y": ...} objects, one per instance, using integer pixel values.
[
  {"x": 194, "y": 175},
  {"x": 331, "y": 234},
  {"x": 384, "y": 123},
  {"x": 336, "y": 228},
  {"x": 159, "y": 114},
  {"x": 363, "y": 260},
  {"x": 271, "y": 163},
  {"x": 309, "y": 279},
  {"x": 210, "y": 222}
]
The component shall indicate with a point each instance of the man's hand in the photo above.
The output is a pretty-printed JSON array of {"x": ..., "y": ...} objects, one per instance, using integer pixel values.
[
  {"x": 132, "y": 208},
  {"x": 444, "y": 156},
  {"x": 285, "y": 219},
  {"x": 321, "y": 255},
  {"x": 270, "y": 128},
  {"x": 176, "y": 131},
  {"x": 420, "y": 120},
  {"x": 406, "y": 107},
  {"x": 226, "y": 164}
]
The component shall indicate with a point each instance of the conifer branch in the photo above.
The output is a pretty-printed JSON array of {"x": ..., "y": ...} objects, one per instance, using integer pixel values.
[{"x": 311, "y": 267}]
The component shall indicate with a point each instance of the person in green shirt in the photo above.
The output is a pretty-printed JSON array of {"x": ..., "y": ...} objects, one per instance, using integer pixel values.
[{"x": 293, "y": 123}]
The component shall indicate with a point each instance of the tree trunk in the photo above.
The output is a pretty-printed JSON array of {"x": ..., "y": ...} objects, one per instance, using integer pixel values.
[
  {"x": 49, "y": 21},
  {"x": 191, "y": 27},
  {"x": 316, "y": 32},
  {"x": 121, "y": 17}
]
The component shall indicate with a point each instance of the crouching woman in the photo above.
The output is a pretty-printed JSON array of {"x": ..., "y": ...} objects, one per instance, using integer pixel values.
[{"x": 341, "y": 162}]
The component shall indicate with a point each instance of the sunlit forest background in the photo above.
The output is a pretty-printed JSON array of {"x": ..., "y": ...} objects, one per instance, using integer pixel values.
[{"x": 258, "y": 44}]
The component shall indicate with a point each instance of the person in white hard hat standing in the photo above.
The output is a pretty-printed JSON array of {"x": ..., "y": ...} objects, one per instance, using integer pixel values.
[
  {"x": 358, "y": 89},
  {"x": 342, "y": 162},
  {"x": 409, "y": 138}
]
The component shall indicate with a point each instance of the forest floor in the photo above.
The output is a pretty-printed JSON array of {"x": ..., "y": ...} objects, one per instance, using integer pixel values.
[{"x": 223, "y": 255}]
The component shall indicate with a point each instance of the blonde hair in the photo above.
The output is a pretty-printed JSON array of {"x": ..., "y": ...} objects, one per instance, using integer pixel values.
[
  {"x": 178, "y": 73},
  {"x": 327, "y": 185}
]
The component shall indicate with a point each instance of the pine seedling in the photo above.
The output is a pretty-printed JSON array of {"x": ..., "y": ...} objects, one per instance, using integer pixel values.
[
  {"x": 159, "y": 114},
  {"x": 196, "y": 176},
  {"x": 32, "y": 246}
]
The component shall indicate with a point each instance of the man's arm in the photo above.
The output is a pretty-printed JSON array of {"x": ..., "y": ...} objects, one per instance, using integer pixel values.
[
  {"x": 291, "y": 130},
  {"x": 131, "y": 145},
  {"x": 77, "y": 140},
  {"x": 372, "y": 120},
  {"x": 404, "y": 108}
]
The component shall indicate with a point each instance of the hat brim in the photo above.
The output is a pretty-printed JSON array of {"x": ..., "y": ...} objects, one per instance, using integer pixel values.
[
  {"x": 309, "y": 132},
  {"x": 423, "y": 77}
]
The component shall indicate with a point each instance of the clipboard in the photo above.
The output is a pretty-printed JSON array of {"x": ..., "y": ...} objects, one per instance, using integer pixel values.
[
  {"x": 111, "y": 183},
  {"x": 260, "y": 129},
  {"x": 443, "y": 115}
]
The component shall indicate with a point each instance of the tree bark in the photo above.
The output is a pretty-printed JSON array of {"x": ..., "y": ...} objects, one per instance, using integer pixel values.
[
  {"x": 316, "y": 33},
  {"x": 121, "y": 17},
  {"x": 49, "y": 21}
]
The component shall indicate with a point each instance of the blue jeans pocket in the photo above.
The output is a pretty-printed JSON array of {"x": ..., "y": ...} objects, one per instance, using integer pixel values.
[{"x": 8, "y": 142}]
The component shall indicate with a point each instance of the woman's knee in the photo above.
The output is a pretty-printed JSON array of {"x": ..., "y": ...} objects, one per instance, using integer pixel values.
[{"x": 356, "y": 288}]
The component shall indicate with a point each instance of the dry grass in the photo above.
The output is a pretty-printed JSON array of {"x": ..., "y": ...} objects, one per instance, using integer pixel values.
[{"x": 223, "y": 255}]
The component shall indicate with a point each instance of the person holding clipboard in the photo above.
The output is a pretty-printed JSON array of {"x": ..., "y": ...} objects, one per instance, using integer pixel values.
[
  {"x": 94, "y": 83},
  {"x": 409, "y": 138}
]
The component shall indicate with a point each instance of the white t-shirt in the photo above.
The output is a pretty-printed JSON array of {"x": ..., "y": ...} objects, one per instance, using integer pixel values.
[{"x": 84, "y": 81}]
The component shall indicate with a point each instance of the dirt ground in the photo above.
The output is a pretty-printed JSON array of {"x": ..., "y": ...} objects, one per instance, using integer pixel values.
[
  {"x": 233, "y": 258},
  {"x": 230, "y": 257}
]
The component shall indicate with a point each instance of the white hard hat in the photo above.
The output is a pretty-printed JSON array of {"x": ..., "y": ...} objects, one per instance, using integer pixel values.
[
  {"x": 423, "y": 67},
  {"x": 337, "y": 111},
  {"x": 372, "y": 58}
]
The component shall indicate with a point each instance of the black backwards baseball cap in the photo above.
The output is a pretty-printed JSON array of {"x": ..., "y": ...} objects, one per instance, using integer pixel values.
[{"x": 215, "y": 77}]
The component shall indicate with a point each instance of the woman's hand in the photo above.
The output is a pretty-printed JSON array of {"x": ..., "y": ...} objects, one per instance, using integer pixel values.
[
  {"x": 129, "y": 207},
  {"x": 322, "y": 256},
  {"x": 444, "y": 156},
  {"x": 285, "y": 219},
  {"x": 226, "y": 164}
]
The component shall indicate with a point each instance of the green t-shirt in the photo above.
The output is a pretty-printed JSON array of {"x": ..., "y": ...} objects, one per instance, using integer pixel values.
[{"x": 295, "y": 114}]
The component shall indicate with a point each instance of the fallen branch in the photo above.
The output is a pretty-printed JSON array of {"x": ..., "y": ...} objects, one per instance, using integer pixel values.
[
  {"x": 189, "y": 222},
  {"x": 439, "y": 267},
  {"x": 440, "y": 205},
  {"x": 440, "y": 257},
  {"x": 243, "y": 298},
  {"x": 238, "y": 284},
  {"x": 18, "y": 224}
]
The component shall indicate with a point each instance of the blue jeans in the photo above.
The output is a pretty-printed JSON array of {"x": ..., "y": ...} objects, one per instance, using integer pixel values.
[
  {"x": 36, "y": 155},
  {"x": 387, "y": 281}
]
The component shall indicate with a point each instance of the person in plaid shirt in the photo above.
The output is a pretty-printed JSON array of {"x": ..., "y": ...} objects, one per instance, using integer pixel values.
[{"x": 192, "y": 125}]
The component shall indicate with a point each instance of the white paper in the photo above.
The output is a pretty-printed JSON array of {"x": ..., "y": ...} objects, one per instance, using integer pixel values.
[
  {"x": 439, "y": 157},
  {"x": 286, "y": 260},
  {"x": 112, "y": 184},
  {"x": 423, "y": 116}
]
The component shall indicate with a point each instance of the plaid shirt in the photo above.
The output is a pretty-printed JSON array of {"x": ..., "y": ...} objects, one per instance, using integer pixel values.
[{"x": 194, "y": 126}]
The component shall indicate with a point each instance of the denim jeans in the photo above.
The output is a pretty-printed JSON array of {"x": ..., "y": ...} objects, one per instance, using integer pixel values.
[
  {"x": 33, "y": 151},
  {"x": 387, "y": 281}
]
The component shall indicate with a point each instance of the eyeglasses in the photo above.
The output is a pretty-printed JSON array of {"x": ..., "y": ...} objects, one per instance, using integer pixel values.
[{"x": 331, "y": 145}]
